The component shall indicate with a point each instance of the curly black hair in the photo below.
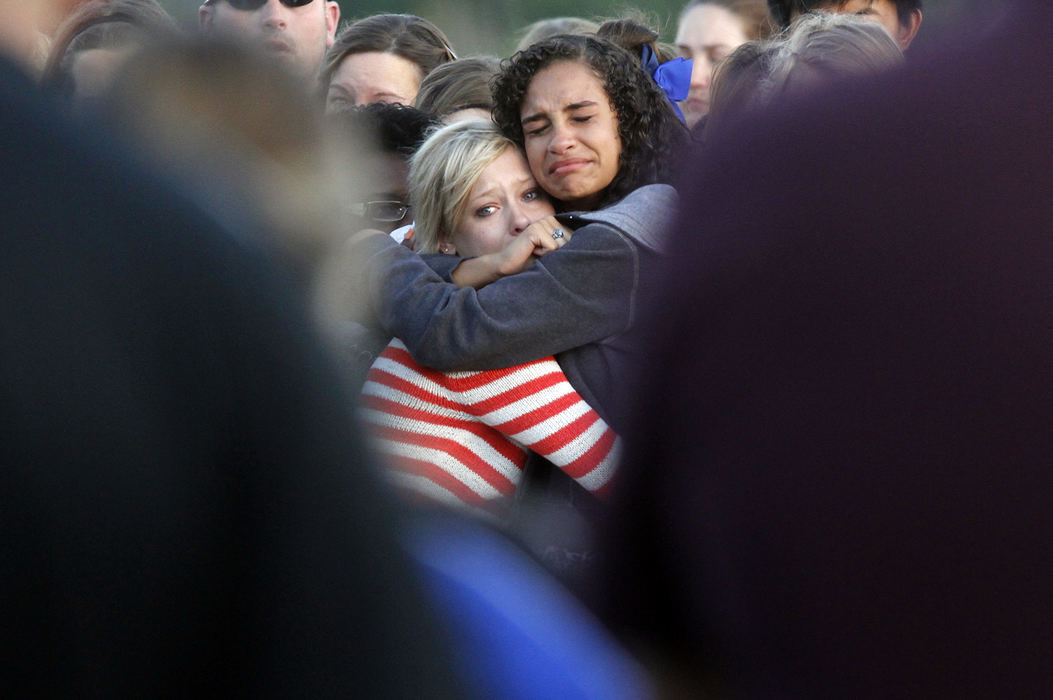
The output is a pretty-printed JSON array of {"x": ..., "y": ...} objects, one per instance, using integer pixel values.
[
  {"x": 650, "y": 132},
  {"x": 392, "y": 128}
]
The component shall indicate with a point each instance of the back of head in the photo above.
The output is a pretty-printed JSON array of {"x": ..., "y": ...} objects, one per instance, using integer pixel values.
[
  {"x": 738, "y": 82},
  {"x": 651, "y": 134},
  {"x": 632, "y": 34},
  {"x": 413, "y": 38},
  {"x": 102, "y": 24},
  {"x": 442, "y": 174},
  {"x": 553, "y": 26},
  {"x": 821, "y": 46},
  {"x": 389, "y": 127},
  {"x": 458, "y": 85}
]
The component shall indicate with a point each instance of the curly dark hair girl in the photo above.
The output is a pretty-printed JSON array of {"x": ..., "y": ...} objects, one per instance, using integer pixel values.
[{"x": 650, "y": 132}]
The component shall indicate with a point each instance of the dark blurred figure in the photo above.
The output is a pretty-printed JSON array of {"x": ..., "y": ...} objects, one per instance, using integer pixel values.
[
  {"x": 839, "y": 480},
  {"x": 185, "y": 504},
  {"x": 242, "y": 135}
]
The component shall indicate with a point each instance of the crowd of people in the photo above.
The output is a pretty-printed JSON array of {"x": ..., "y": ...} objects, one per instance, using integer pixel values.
[{"x": 336, "y": 361}]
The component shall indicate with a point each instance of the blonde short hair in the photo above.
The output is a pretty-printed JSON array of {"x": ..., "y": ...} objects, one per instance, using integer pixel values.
[{"x": 442, "y": 173}]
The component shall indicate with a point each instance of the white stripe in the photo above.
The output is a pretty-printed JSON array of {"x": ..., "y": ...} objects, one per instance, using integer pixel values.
[
  {"x": 506, "y": 381},
  {"x": 514, "y": 410},
  {"x": 582, "y": 443},
  {"x": 479, "y": 447},
  {"x": 428, "y": 488},
  {"x": 546, "y": 428},
  {"x": 425, "y": 486},
  {"x": 446, "y": 463},
  {"x": 409, "y": 374},
  {"x": 383, "y": 391},
  {"x": 501, "y": 382},
  {"x": 602, "y": 472},
  {"x": 518, "y": 409}
]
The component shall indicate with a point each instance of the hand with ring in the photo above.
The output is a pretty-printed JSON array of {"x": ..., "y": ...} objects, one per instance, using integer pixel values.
[{"x": 537, "y": 240}]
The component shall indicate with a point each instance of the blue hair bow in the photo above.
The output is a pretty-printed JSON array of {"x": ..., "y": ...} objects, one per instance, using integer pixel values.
[{"x": 674, "y": 77}]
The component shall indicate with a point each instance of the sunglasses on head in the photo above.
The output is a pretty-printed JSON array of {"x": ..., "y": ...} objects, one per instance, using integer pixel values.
[{"x": 250, "y": 5}]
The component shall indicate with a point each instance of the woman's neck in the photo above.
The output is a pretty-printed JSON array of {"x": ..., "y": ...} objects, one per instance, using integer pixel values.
[{"x": 589, "y": 203}]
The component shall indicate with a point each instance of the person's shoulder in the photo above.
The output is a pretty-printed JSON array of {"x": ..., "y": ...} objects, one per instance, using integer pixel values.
[{"x": 644, "y": 215}]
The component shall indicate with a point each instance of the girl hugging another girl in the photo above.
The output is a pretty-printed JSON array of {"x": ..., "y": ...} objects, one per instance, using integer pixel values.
[{"x": 461, "y": 438}]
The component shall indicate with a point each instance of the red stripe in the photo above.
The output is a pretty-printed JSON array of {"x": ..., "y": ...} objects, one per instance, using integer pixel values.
[
  {"x": 604, "y": 492},
  {"x": 567, "y": 433},
  {"x": 521, "y": 391},
  {"x": 531, "y": 419},
  {"x": 444, "y": 481},
  {"x": 471, "y": 461},
  {"x": 500, "y": 443},
  {"x": 437, "y": 476},
  {"x": 393, "y": 381},
  {"x": 384, "y": 377},
  {"x": 593, "y": 457},
  {"x": 477, "y": 380}
]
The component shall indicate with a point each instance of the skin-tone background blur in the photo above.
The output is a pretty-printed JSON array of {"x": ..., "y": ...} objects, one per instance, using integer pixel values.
[{"x": 494, "y": 26}]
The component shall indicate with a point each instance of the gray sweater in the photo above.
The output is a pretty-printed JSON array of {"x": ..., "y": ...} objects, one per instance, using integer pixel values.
[{"x": 577, "y": 303}]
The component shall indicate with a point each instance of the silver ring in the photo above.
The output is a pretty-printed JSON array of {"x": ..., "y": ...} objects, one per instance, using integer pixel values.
[{"x": 557, "y": 234}]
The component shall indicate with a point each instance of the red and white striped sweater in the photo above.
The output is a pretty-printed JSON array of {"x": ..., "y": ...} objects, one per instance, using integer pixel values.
[{"x": 461, "y": 438}]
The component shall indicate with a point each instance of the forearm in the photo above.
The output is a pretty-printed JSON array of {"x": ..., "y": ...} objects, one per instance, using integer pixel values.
[
  {"x": 579, "y": 295},
  {"x": 476, "y": 272}
]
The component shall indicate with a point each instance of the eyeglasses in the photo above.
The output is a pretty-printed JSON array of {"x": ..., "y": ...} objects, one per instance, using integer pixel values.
[
  {"x": 384, "y": 210},
  {"x": 252, "y": 5}
]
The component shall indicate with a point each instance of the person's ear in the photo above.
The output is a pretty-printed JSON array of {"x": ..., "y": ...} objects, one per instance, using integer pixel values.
[
  {"x": 907, "y": 31},
  {"x": 446, "y": 246},
  {"x": 332, "y": 19},
  {"x": 205, "y": 15}
]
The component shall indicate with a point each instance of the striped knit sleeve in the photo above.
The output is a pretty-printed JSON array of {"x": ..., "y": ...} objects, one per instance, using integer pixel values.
[
  {"x": 434, "y": 448},
  {"x": 535, "y": 405},
  {"x": 459, "y": 437}
]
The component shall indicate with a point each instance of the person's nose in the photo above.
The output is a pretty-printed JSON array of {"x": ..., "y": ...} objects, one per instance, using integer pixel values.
[
  {"x": 520, "y": 218},
  {"x": 701, "y": 72},
  {"x": 274, "y": 14},
  {"x": 562, "y": 138}
]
